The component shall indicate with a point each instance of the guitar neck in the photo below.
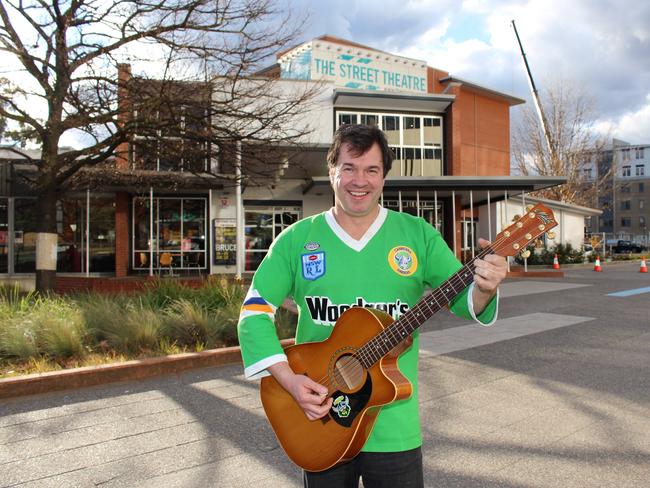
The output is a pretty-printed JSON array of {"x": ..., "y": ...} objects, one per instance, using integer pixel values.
[{"x": 380, "y": 345}]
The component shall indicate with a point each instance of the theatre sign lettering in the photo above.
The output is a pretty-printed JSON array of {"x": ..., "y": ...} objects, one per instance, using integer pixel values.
[{"x": 354, "y": 67}]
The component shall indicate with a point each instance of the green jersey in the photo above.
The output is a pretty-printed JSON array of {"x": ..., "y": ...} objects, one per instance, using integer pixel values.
[{"x": 326, "y": 272}]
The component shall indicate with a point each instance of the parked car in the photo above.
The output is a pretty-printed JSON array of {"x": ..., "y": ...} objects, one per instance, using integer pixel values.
[{"x": 626, "y": 247}]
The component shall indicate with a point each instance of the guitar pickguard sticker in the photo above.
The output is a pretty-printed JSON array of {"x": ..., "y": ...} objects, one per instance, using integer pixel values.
[
  {"x": 341, "y": 406},
  {"x": 350, "y": 405}
]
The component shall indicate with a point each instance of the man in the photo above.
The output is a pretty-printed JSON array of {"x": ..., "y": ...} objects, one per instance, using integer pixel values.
[{"x": 357, "y": 253}]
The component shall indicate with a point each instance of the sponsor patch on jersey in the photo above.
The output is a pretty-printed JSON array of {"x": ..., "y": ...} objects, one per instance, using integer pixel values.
[
  {"x": 403, "y": 260},
  {"x": 312, "y": 246},
  {"x": 313, "y": 265},
  {"x": 324, "y": 311}
]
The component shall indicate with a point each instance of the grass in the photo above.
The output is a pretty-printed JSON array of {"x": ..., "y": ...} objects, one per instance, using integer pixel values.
[{"x": 48, "y": 333}]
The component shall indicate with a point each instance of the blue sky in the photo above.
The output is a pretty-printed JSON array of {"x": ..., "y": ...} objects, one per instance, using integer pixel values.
[{"x": 601, "y": 47}]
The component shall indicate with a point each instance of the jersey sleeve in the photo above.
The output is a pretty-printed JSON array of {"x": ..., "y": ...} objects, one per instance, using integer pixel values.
[
  {"x": 272, "y": 283},
  {"x": 441, "y": 264}
]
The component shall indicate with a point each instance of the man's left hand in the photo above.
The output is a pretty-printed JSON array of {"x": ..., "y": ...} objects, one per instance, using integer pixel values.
[{"x": 489, "y": 272}]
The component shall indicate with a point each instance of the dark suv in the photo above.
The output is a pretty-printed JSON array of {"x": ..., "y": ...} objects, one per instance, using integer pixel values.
[{"x": 622, "y": 247}]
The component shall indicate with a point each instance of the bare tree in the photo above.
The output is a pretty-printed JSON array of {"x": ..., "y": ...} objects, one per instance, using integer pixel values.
[
  {"x": 66, "y": 56},
  {"x": 576, "y": 146}
]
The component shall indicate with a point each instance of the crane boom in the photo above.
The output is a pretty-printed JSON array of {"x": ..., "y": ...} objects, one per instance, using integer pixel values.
[{"x": 538, "y": 105}]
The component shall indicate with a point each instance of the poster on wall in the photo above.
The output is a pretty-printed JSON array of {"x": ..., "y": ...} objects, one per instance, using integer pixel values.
[{"x": 225, "y": 242}]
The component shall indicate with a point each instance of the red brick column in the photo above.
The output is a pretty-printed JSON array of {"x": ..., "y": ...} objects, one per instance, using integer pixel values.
[
  {"x": 124, "y": 104},
  {"x": 121, "y": 234}
]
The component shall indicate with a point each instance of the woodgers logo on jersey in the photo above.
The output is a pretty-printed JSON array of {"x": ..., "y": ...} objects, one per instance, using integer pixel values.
[{"x": 324, "y": 312}]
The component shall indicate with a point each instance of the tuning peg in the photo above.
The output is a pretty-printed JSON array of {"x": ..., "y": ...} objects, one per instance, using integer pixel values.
[
  {"x": 539, "y": 243},
  {"x": 525, "y": 254},
  {"x": 516, "y": 217},
  {"x": 550, "y": 234},
  {"x": 529, "y": 207}
]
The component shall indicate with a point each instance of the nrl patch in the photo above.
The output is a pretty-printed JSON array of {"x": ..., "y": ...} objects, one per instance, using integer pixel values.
[
  {"x": 403, "y": 260},
  {"x": 312, "y": 246},
  {"x": 313, "y": 265}
]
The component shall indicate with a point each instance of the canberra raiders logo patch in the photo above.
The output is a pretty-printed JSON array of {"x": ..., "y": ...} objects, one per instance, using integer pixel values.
[{"x": 403, "y": 260}]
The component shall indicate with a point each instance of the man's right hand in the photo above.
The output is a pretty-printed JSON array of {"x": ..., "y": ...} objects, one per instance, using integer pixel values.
[{"x": 309, "y": 395}]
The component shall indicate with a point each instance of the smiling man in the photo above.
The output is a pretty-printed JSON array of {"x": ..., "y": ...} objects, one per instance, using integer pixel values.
[{"x": 357, "y": 254}]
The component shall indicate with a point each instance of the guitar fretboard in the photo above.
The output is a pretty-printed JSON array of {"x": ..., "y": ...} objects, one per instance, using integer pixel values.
[{"x": 373, "y": 350}]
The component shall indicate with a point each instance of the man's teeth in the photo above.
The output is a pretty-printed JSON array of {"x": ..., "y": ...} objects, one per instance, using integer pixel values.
[{"x": 358, "y": 193}]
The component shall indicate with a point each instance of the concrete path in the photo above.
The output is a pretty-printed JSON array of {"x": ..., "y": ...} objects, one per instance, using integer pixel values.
[{"x": 557, "y": 396}]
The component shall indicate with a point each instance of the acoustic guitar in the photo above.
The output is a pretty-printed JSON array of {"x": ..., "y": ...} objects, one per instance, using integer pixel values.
[{"x": 358, "y": 363}]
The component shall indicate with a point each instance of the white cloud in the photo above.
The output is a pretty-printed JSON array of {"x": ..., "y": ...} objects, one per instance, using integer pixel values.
[{"x": 634, "y": 126}]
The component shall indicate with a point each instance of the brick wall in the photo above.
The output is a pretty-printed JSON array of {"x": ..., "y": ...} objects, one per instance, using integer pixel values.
[{"x": 74, "y": 284}]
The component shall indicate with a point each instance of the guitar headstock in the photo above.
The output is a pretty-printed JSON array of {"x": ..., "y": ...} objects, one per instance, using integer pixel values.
[{"x": 534, "y": 223}]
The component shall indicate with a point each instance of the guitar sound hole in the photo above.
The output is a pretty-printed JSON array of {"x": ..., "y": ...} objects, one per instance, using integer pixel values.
[{"x": 348, "y": 373}]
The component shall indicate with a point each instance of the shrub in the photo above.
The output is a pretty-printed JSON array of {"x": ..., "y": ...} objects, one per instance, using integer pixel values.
[
  {"x": 18, "y": 340},
  {"x": 186, "y": 323},
  {"x": 137, "y": 330},
  {"x": 565, "y": 255}
]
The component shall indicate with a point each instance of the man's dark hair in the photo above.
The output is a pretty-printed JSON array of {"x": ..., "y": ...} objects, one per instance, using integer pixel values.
[{"x": 360, "y": 138}]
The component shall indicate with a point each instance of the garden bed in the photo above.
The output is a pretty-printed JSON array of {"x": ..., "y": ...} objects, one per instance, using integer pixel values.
[{"x": 49, "y": 333}]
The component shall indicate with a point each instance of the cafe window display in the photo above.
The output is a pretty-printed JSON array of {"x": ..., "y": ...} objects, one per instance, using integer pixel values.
[{"x": 179, "y": 233}]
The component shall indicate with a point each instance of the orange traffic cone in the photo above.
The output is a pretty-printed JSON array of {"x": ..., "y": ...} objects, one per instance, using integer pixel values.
[
  {"x": 597, "y": 264},
  {"x": 556, "y": 263},
  {"x": 644, "y": 268}
]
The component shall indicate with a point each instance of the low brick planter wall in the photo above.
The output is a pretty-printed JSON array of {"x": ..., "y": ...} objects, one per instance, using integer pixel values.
[{"x": 38, "y": 383}]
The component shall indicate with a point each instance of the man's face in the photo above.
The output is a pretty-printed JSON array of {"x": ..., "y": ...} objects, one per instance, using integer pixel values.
[{"x": 358, "y": 181}]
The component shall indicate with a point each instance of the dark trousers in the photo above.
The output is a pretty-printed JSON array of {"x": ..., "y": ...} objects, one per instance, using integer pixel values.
[{"x": 376, "y": 469}]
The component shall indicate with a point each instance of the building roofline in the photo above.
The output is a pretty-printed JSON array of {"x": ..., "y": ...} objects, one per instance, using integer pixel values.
[
  {"x": 475, "y": 86},
  {"x": 562, "y": 205}
]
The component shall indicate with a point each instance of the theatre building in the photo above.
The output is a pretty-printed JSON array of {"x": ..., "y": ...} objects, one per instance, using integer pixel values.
[{"x": 142, "y": 214}]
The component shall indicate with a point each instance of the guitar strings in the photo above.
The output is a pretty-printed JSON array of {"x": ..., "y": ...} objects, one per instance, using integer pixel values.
[{"x": 353, "y": 365}]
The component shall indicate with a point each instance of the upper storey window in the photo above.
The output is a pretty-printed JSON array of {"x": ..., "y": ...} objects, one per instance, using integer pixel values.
[{"x": 416, "y": 140}]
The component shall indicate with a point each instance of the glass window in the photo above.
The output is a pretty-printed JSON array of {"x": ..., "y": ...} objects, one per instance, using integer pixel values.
[
  {"x": 627, "y": 171},
  {"x": 4, "y": 235},
  {"x": 625, "y": 205},
  {"x": 432, "y": 131},
  {"x": 396, "y": 168},
  {"x": 102, "y": 235},
  {"x": 369, "y": 119},
  {"x": 390, "y": 126},
  {"x": 346, "y": 118},
  {"x": 179, "y": 233},
  {"x": 641, "y": 221},
  {"x": 412, "y": 162},
  {"x": 626, "y": 222},
  {"x": 641, "y": 187},
  {"x": 641, "y": 204},
  {"x": 412, "y": 131},
  {"x": 416, "y": 140},
  {"x": 262, "y": 226},
  {"x": 71, "y": 229},
  {"x": 25, "y": 218},
  {"x": 431, "y": 163},
  {"x": 640, "y": 170}
]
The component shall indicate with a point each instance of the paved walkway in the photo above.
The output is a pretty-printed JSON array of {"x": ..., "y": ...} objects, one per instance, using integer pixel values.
[{"x": 556, "y": 394}]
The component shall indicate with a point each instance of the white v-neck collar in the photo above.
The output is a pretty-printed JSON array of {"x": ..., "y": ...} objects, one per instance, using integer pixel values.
[{"x": 355, "y": 244}]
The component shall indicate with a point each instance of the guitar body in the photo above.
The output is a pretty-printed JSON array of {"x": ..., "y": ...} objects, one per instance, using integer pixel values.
[{"x": 358, "y": 393}]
